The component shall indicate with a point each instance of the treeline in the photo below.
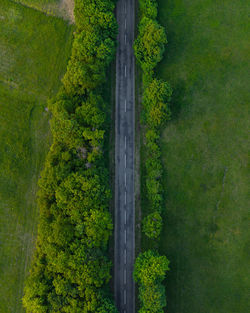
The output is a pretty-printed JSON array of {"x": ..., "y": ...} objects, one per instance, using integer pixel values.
[
  {"x": 71, "y": 269},
  {"x": 150, "y": 267}
]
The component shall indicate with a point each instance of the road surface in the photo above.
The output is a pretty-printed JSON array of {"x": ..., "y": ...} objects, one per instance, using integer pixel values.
[{"x": 124, "y": 159}]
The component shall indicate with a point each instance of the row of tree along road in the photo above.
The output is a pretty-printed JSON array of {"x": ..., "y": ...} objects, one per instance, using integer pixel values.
[
  {"x": 150, "y": 267},
  {"x": 71, "y": 268}
]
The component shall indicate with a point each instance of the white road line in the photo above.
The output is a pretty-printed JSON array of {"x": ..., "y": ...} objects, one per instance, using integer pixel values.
[
  {"x": 125, "y": 179},
  {"x": 125, "y": 70},
  {"x": 125, "y": 160},
  {"x": 125, "y": 296},
  {"x": 125, "y": 198},
  {"x": 125, "y": 236},
  {"x": 125, "y": 105},
  {"x": 125, "y": 256},
  {"x": 125, "y": 142},
  {"x": 125, "y": 276}
]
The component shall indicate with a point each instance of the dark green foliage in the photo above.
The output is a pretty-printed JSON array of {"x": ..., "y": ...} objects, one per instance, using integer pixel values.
[{"x": 71, "y": 269}]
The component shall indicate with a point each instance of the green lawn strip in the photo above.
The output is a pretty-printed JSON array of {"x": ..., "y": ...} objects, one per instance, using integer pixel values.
[
  {"x": 34, "y": 51},
  {"x": 205, "y": 149}
]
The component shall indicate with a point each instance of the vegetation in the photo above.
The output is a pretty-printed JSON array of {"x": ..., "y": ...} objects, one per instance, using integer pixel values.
[
  {"x": 33, "y": 56},
  {"x": 150, "y": 270},
  {"x": 71, "y": 268},
  {"x": 205, "y": 153},
  {"x": 149, "y": 48}
]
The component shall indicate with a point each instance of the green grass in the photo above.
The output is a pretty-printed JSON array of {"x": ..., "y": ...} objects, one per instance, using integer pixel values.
[
  {"x": 34, "y": 49},
  {"x": 205, "y": 148},
  {"x": 42, "y": 5}
]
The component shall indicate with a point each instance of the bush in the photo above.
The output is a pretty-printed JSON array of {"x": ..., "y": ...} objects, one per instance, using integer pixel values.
[
  {"x": 156, "y": 100},
  {"x": 152, "y": 225}
]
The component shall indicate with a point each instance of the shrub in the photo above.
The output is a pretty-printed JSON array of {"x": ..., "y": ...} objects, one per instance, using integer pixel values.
[
  {"x": 152, "y": 225},
  {"x": 156, "y": 100}
]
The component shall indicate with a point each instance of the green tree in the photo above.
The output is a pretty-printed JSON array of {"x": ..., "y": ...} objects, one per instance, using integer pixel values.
[{"x": 150, "y": 44}]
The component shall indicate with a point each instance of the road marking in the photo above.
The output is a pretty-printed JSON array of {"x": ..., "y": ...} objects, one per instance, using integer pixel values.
[
  {"x": 125, "y": 236},
  {"x": 125, "y": 296},
  {"x": 125, "y": 142},
  {"x": 125, "y": 105},
  {"x": 125, "y": 198},
  {"x": 125, "y": 178},
  {"x": 125, "y": 215},
  {"x": 125, "y": 70},
  {"x": 125, "y": 160},
  {"x": 125, "y": 256},
  {"x": 125, "y": 276}
]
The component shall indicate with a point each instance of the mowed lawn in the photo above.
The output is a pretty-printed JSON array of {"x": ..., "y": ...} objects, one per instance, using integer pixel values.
[
  {"x": 205, "y": 154},
  {"x": 34, "y": 50}
]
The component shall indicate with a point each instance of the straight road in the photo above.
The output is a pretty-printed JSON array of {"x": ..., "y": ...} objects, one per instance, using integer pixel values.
[{"x": 124, "y": 159}]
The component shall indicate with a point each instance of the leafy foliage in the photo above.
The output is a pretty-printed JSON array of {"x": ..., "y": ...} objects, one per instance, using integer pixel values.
[
  {"x": 152, "y": 225},
  {"x": 150, "y": 270},
  {"x": 70, "y": 269},
  {"x": 149, "y": 47}
]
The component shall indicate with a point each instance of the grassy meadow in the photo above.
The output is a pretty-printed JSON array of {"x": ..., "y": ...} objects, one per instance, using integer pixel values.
[
  {"x": 34, "y": 50},
  {"x": 62, "y": 8},
  {"x": 205, "y": 152}
]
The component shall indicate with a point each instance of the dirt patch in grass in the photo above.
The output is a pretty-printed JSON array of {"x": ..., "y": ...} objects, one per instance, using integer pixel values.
[{"x": 67, "y": 8}]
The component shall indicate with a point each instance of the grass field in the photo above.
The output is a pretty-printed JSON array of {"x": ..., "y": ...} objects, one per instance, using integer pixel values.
[
  {"x": 62, "y": 8},
  {"x": 34, "y": 49},
  {"x": 205, "y": 150}
]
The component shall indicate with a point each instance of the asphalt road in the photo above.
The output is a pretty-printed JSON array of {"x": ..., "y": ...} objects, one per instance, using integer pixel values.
[{"x": 124, "y": 156}]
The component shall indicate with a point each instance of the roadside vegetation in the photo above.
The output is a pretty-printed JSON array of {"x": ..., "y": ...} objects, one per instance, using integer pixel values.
[
  {"x": 150, "y": 267},
  {"x": 34, "y": 50},
  {"x": 205, "y": 152},
  {"x": 71, "y": 267}
]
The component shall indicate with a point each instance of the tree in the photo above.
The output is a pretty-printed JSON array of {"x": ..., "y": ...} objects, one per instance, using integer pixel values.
[
  {"x": 150, "y": 268},
  {"x": 149, "y": 45}
]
